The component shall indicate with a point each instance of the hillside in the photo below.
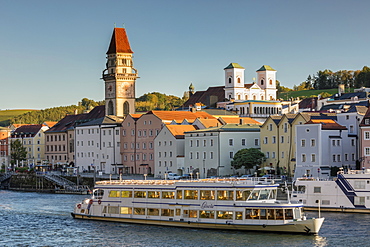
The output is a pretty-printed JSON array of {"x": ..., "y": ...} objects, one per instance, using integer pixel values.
[
  {"x": 6, "y": 115},
  {"x": 307, "y": 93}
]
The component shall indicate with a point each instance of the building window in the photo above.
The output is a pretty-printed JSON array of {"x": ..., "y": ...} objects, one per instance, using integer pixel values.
[
  {"x": 256, "y": 142},
  {"x": 333, "y": 142},
  {"x": 334, "y": 158},
  {"x": 274, "y": 139},
  {"x": 211, "y": 155},
  {"x": 282, "y": 139},
  {"x": 346, "y": 156},
  {"x": 338, "y": 143},
  {"x": 231, "y": 155},
  {"x": 282, "y": 154},
  {"x": 353, "y": 142},
  {"x": 303, "y": 158},
  {"x": 211, "y": 143},
  {"x": 353, "y": 157},
  {"x": 313, "y": 142},
  {"x": 303, "y": 142},
  {"x": 197, "y": 143},
  {"x": 243, "y": 142},
  {"x": 204, "y": 143},
  {"x": 265, "y": 140},
  {"x": 267, "y": 155},
  {"x": 316, "y": 189},
  {"x": 367, "y": 151},
  {"x": 313, "y": 158},
  {"x": 273, "y": 155},
  {"x": 191, "y": 143}
]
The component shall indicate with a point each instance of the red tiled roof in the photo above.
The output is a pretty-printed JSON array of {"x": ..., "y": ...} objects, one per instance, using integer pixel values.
[
  {"x": 179, "y": 116},
  {"x": 327, "y": 124},
  {"x": 119, "y": 42},
  {"x": 178, "y": 130}
]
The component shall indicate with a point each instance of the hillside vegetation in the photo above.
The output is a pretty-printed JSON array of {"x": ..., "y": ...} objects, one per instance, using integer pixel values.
[
  {"x": 147, "y": 102},
  {"x": 6, "y": 115},
  {"x": 307, "y": 93}
]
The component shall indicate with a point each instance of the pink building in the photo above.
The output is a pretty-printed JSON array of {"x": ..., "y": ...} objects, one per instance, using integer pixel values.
[
  {"x": 139, "y": 131},
  {"x": 365, "y": 141}
]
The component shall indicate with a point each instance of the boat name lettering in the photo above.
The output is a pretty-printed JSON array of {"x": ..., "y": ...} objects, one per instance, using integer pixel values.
[{"x": 206, "y": 205}]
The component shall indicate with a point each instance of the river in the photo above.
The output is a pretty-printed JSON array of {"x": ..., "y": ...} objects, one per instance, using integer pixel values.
[{"x": 36, "y": 219}]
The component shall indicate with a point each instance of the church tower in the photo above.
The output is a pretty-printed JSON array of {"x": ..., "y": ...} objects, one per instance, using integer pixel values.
[
  {"x": 119, "y": 76},
  {"x": 234, "y": 82},
  {"x": 266, "y": 80}
]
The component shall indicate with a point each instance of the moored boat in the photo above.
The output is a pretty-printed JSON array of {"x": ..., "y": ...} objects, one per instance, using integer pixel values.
[
  {"x": 231, "y": 204},
  {"x": 348, "y": 192}
]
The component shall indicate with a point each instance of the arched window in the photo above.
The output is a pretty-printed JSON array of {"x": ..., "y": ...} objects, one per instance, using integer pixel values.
[
  {"x": 229, "y": 80},
  {"x": 262, "y": 98},
  {"x": 270, "y": 82},
  {"x": 110, "y": 108},
  {"x": 238, "y": 79},
  {"x": 254, "y": 97},
  {"x": 262, "y": 82},
  {"x": 126, "y": 108}
]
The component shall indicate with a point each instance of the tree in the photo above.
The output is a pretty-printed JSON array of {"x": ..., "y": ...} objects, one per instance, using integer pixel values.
[
  {"x": 248, "y": 158},
  {"x": 17, "y": 152}
]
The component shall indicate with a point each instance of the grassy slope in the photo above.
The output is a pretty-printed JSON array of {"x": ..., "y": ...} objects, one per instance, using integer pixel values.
[
  {"x": 307, "y": 93},
  {"x": 8, "y": 114}
]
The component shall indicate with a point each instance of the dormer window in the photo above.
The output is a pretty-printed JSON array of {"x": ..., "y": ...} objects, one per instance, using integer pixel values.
[{"x": 367, "y": 121}]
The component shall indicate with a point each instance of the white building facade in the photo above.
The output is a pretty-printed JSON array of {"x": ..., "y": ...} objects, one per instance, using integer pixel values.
[
  {"x": 322, "y": 144},
  {"x": 97, "y": 146},
  {"x": 209, "y": 152}
]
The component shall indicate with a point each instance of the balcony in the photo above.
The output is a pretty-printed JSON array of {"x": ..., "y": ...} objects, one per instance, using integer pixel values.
[{"x": 120, "y": 76}]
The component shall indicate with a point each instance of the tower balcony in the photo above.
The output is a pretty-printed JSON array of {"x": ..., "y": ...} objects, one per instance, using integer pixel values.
[{"x": 121, "y": 76}]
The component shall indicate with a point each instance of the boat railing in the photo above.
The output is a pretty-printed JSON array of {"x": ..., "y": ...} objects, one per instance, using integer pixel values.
[{"x": 246, "y": 181}]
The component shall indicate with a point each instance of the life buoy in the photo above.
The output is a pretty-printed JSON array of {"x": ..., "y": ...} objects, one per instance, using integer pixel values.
[
  {"x": 91, "y": 201},
  {"x": 99, "y": 201},
  {"x": 79, "y": 205}
]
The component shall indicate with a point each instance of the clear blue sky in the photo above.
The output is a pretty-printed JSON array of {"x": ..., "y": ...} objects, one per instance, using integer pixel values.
[{"x": 52, "y": 53}]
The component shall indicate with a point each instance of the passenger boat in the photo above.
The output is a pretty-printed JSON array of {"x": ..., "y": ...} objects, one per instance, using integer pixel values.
[
  {"x": 231, "y": 204},
  {"x": 348, "y": 192}
]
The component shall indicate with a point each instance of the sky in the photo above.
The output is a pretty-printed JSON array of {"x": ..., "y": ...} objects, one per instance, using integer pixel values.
[{"x": 52, "y": 53}]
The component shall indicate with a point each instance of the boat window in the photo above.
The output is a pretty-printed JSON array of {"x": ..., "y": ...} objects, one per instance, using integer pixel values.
[
  {"x": 207, "y": 194},
  {"x": 254, "y": 195},
  {"x": 98, "y": 194},
  {"x": 153, "y": 211},
  {"x": 273, "y": 194},
  {"x": 179, "y": 194},
  {"x": 104, "y": 210},
  {"x": 263, "y": 215},
  {"x": 297, "y": 213},
  {"x": 238, "y": 215},
  {"x": 139, "y": 211},
  {"x": 264, "y": 194},
  {"x": 225, "y": 195},
  {"x": 113, "y": 210},
  {"x": 359, "y": 200},
  {"x": 271, "y": 214},
  {"x": 207, "y": 214},
  {"x": 185, "y": 214},
  {"x": 288, "y": 214},
  {"x": 154, "y": 194},
  {"x": 126, "y": 210},
  {"x": 167, "y": 212},
  {"x": 225, "y": 215},
  {"x": 168, "y": 194},
  {"x": 251, "y": 213},
  {"x": 178, "y": 211},
  {"x": 279, "y": 214},
  {"x": 191, "y": 194},
  {"x": 126, "y": 193},
  {"x": 114, "y": 193},
  {"x": 242, "y": 195},
  {"x": 140, "y": 194},
  {"x": 316, "y": 189},
  {"x": 301, "y": 188},
  {"x": 193, "y": 213}
]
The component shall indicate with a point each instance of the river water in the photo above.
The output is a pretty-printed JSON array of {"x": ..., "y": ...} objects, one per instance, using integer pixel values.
[{"x": 34, "y": 219}]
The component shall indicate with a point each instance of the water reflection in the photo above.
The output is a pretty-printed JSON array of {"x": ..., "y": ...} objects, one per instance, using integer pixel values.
[{"x": 32, "y": 219}]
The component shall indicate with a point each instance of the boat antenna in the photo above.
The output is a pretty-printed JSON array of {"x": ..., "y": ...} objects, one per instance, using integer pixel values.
[{"x": 287, "y": 190}]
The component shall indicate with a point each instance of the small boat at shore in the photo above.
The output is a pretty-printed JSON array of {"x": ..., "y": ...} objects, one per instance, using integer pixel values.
[
  {"x": 228, "y": 204},
  {"x": 348, "y": 192}
]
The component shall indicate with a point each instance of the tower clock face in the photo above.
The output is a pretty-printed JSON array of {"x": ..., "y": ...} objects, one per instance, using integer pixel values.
[
  {"x": 125, "y": 90},
  {"x": 109, "y": 90}
]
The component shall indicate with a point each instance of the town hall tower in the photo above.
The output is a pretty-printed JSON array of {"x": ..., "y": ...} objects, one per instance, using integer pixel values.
[{"x": 119, "y": 76}]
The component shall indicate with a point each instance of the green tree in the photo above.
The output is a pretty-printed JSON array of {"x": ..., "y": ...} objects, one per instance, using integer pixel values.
[
  {"x": 248, "y": 158},
  {"x": 17, "y": 152}
]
